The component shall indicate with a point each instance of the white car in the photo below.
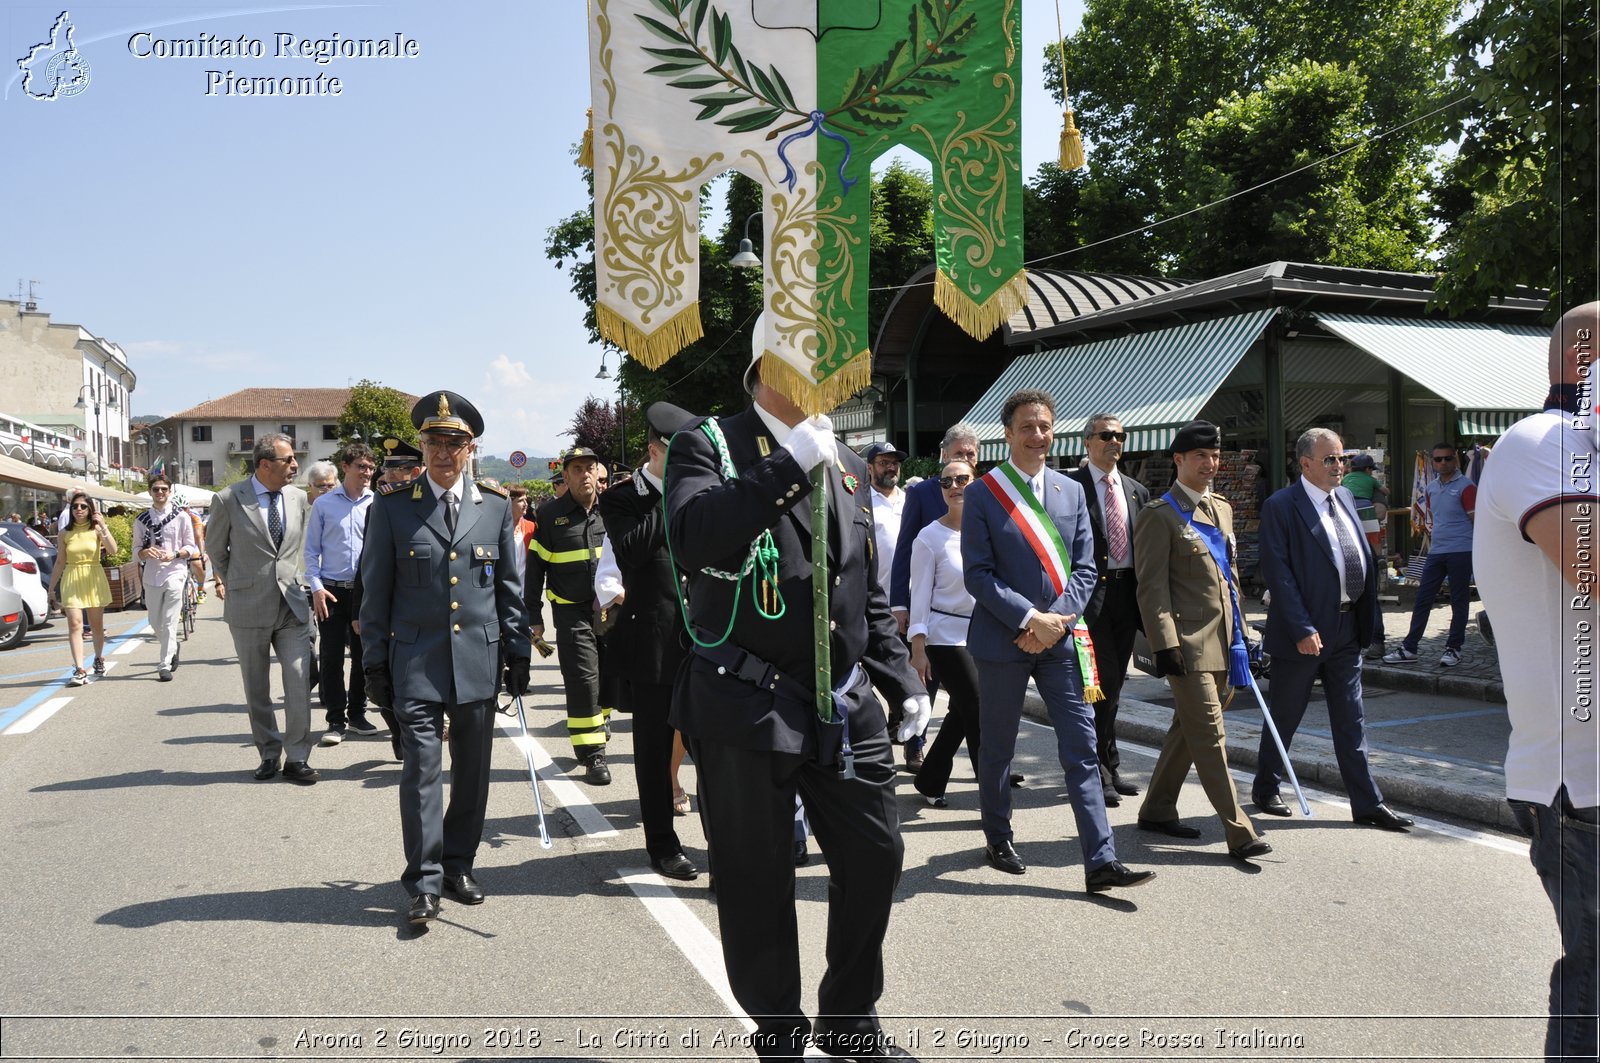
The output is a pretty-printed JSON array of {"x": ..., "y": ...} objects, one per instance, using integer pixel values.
[
  {"x": 13, "y": 614},
  {"x": 26, "y": 582}
]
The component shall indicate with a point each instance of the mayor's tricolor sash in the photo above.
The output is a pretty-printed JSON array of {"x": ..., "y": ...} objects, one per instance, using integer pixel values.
[{"x": 1011, "y": 490}]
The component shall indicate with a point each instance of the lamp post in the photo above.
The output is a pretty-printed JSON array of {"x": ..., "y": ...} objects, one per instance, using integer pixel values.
[
  {"x": 99, "y": 394},
  {"x": 152, "y": 440},
  {"x": 746, "y": 257}
]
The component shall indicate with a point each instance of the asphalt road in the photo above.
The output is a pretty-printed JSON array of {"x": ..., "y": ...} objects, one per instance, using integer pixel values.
[{"x": 163, "y": 905}]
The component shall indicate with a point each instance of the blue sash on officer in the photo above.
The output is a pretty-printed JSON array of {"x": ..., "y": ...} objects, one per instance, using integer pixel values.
[{"x": 1238, "y": 652}]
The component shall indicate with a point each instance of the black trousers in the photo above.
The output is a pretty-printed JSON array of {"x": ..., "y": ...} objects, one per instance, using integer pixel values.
[
  {"x": 334, "y": 635},
  {"x": 747, "y": 804},
  {"x": 650, "y": 703},
  {"x": 579, "y": 650},
  {"x": 1112, "y": 632},
  {"x": 960, "y": 675}
]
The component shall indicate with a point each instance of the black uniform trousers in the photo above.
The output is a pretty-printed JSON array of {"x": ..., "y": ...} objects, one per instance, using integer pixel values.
[
  {"x": 579, "y": 649},
  {"x": 442, "y": 841},
  {"x": 1112, "y": 632},
  {"x": 960, "y": 722},
  {"x": 650, "y": 704},
  {"x": 748, "y": 807},
  {"x": 334, "y": 635}
]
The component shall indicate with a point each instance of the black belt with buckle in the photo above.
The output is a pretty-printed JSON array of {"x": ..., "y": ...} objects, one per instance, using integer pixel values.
[
  {"x": 1346, "y": 607},
  {"x": 1117, "y": 573},
  {"x": 342, "y": 584}
]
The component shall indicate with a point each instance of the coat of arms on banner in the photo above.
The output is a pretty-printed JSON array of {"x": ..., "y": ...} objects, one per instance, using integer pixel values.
[{"x": 801, "y": 96}]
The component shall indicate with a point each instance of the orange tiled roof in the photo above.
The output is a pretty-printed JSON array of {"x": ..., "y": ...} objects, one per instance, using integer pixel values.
[{"x": 274, "y": 404}]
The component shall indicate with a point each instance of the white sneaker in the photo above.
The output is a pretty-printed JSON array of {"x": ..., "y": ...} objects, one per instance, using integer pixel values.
[
  {"x": 1400, "y": 656},
  {"x": 79, "y": 677},
  {"x": 1450, "y": 658},
  {"x": 331, "y": 738}
]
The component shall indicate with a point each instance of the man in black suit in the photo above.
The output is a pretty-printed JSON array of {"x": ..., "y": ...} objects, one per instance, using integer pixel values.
[
  {"x": 647, "y": 640},
  {"x": 1113, "y": 610},
  {"x": 739, "y": 516},
  {"x": 1316, "y": 561}
]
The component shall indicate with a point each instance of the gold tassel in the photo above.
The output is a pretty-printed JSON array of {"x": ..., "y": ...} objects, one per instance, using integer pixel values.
[
  {"x": 1071, "y": 143},
  {"x": 1093, "y": 693},
  {"x": 980, "y": 320},
  {"x": 816, "y": 396},
  {"x": 586, "y": 146},
  {"x": 651, "y": 349}
]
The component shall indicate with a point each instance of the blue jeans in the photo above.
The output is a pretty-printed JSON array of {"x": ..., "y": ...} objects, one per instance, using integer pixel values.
[
  {"x": 1458, "y": 566},
  {"x": 1565, "y": 850}
]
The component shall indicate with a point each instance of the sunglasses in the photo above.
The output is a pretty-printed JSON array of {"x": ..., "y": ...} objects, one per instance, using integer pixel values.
[
  {"x": 1106, "y": 437},
  {"x": 1334, "y": 459},
  {"x": 284, "y": 461},
  {"x": 1440, "y": 460},
  {"x": 81, "y": 505},
  {"x": 960, "y": 480}
]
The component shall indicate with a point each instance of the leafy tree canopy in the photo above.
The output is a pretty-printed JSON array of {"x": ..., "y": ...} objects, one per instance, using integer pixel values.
[{"x": 376, "y": 411}]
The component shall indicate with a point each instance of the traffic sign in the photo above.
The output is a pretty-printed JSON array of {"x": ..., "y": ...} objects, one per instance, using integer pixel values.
[{"x": 518, "y": 459}]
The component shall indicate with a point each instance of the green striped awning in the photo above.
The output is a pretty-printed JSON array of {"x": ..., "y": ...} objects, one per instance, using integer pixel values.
[
  {"x": 1154, "y": 381},
  {"x": 1488, "y": 423},
  {"x": 1494, "y": 370}
]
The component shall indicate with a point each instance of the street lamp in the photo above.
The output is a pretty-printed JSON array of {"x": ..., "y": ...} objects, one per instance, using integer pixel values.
[
  {"x": 98, "y": 393},
  {"x": 603, "y": 375},
  {"x": 746, "y": 257},
  {"x": 152, "y": 440}
]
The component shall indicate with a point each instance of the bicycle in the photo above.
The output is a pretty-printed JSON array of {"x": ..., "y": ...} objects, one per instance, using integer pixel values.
[{"x": 191, "y": 607}]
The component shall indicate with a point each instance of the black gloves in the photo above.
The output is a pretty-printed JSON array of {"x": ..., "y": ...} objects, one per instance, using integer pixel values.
[
  {"x": 1168, "y": 662},
  {"x": 380, "y": 686},
  {"x": 517, "y": 676}
]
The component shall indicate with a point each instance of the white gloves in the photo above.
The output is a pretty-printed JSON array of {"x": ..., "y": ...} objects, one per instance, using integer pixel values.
[
  {"x": 812, "y": 443},
  {"x": 915, "y": 712}
]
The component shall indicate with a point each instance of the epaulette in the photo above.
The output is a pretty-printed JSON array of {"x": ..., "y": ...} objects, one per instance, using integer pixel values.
[
  {"x": 493, "y": 488},
  {"x": 393, "y": 486}
]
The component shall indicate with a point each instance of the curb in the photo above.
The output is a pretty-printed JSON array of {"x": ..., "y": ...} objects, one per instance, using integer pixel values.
[
  {"x": 1431, "y": 682},
  {"x": 1410, "y": 783}
]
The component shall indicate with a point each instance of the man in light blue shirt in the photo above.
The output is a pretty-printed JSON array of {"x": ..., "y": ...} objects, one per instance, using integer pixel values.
[
  {"x": 1448, "y": 520},
  {"x": 334, "y": 535}
]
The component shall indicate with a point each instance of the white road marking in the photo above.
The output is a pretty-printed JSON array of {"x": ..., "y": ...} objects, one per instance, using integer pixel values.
[
  {"x": 129, "y": 645},
  {"x": 698, "y": 945},
  {"x": 38, "y": 716},
  {"x": 566, "y": 792}
]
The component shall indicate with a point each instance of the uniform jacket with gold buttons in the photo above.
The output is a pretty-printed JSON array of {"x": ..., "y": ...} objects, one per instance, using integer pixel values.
[
  {"x": 1183, "y": 596},
  {"x": 436, "y": 607}
]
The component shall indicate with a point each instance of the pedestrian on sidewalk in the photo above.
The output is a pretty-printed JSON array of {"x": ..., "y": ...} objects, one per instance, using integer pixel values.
[
  {"x": 79, "y": 583},
  {"x": 1535, "y": 540},
  {"x": 163, "y": 539},
  {"x": 1447, "y": 519}
]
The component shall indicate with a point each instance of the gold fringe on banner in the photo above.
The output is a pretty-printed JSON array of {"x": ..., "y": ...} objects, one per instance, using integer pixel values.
[
  {"x": 654, "y": 349},
  {"x": 814, "y": 396},
  {"x": 1071, "y": 143},
  {"x": 979, "y": 321},
  {"x": 586, "y": 146}
]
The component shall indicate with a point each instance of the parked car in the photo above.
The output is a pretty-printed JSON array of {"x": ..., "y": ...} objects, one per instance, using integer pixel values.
[
  {"x": 13, "y": 614},
  {"x": 42, "y": 550},
  {"x": 26, "y": 582}
]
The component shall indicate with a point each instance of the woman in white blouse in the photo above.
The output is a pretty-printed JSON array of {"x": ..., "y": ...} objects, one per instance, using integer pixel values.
[{"x": 940, "y": 611}]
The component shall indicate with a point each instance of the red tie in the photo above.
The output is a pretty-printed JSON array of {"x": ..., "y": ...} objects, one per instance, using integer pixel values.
[{"x": 1116, "y": 523}]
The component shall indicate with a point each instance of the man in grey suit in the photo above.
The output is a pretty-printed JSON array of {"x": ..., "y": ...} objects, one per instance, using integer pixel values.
[
  {"x": 441, "y": 598},
  {"x": 256, "y": 540}
]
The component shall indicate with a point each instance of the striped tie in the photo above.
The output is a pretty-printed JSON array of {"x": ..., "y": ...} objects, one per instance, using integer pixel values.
[{"x": 1116, "y": 523}]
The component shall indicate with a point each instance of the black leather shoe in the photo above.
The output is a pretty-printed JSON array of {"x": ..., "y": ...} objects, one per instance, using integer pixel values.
[
  {"x": 1385, "y": 819},
  {"x": 463, "y": 888},
  {"x": 595, "y": 771},
  {"x": 802, "y": 855},
  {"x": 1004, "y": 858},
  {"x": 1123, "y": 787},
  {"x": 1113, "y": 799},
  {"x": 676, "y": 866},
  {"x": 1115, "y": 876},
  {"x": 1171, "y": 828},
  {"x": 1272, "y": 806},
  {"x": 1017, "y": 779},
  {"x": 424, "y": 909},
  {"x": 301, "y": 772},
  {"x": 399, "y": 750},
  {"x": 267, "y": 770},
  {"x": 1250, "y": 849}
]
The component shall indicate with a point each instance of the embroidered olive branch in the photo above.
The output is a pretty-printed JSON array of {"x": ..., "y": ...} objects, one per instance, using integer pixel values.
[{"x": 717, "y": 64}]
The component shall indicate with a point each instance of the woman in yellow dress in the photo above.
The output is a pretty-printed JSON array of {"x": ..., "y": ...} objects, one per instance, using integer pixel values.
[{"x": 79, "y": 583}]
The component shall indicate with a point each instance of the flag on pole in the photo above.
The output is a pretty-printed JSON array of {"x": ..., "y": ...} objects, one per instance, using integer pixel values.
[
  {"x": 159, "y": 468},
  {"x": 801, "y": 96}
]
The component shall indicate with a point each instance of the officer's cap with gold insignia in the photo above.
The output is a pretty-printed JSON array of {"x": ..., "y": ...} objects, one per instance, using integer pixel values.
[
  {"x": 1196, "y": 435},
  {"x": 446, "y": 413},
  {"x": 398, "y": 454}
]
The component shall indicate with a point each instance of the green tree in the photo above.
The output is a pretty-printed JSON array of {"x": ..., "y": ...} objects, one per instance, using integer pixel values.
[
  {"x": 901, "y": 234},
  {"x": 376, "y": 410},
  {"x": 1519, "y": 199}
]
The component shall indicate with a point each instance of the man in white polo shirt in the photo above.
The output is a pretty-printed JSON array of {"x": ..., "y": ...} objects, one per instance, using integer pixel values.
[{"x": 1533, "y": 555}]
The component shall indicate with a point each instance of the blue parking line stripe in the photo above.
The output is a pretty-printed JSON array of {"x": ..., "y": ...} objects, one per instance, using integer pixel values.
[
  {"x": 64, "y": 672},
  {"x": 17, "y": 712}
]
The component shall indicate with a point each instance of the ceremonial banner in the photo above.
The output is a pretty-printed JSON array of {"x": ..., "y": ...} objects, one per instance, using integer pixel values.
[{"x": 801, "y": 96}]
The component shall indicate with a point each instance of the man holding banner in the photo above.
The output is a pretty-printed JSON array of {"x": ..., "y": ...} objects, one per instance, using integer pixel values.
[{"x": 1028, "y": 553}]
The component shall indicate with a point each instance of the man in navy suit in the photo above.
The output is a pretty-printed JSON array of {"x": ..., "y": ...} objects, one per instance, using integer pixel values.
[
  {"x": 1317, "y": 564},
  {"x": 1028, "y": 556}
]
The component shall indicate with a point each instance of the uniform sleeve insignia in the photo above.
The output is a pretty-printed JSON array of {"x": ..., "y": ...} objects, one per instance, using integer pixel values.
[{"x": 493, "y": 489}]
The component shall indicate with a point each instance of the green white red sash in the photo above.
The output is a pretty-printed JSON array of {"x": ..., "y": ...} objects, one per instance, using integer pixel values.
[{"x": 1011, "y": 490}]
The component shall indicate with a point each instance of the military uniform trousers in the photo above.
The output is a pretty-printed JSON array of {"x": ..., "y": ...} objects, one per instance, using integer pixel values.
[
  {"x": 650, "y": 704},
  {"x": 442, "y": 841},
  {"x": 1196, "y": 737},
  {"x": 748, "y": 805},
  {"x": 579, "y": 649}
]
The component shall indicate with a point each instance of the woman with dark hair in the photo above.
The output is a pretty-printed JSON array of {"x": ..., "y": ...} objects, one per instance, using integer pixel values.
[
  {"x": 79, "y": 583},
  {"x": 940, "y": 611}
]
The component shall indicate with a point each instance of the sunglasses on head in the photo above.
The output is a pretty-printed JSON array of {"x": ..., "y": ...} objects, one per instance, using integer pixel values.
[
  {"x": 958, "y": 480},
  {"x": 1106, "y": 437}
]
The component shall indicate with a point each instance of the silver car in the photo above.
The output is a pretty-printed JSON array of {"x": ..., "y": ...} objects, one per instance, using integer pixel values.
[{"x": 13, "y": 618}]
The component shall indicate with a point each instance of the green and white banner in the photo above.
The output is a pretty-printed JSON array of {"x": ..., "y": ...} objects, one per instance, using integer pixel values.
[{"x": 801, "y": 96}]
